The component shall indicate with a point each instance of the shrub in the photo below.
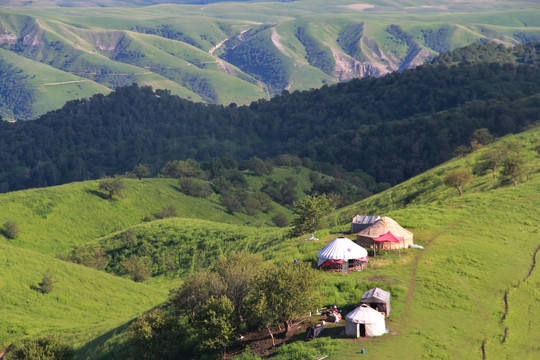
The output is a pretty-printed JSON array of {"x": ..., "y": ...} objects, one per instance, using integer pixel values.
[
  {"x": 46, "y": 348},
  {"x": 11, "y": 229},
  {"x": 195, "y": 188},
  {"x": 47, "y": 283},
  {"x": 137, "y": 268},
  {"x": 281, "y": 220},
  {"x": 166, "y": 212}
]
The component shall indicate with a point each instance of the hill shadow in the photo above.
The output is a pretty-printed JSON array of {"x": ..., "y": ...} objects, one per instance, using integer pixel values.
[{"x": 99, "y": 349}]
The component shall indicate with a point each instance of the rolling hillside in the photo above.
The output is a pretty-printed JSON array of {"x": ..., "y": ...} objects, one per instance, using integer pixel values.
[
  {"x": 238, "y": 51},
  {"x": 448, "y": 300}
]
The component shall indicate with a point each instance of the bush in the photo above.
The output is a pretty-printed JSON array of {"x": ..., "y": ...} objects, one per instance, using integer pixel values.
[
  {"x": 11, "y": 229},
  {"x": 137, "y": 268},
  {"x": 46, "y": 348},
  {"x": 47, "y": 283},
  {"x": 281, "y": 220},
  {"x": 166, "y": 212},
  {"x": 192, "y": 187}
]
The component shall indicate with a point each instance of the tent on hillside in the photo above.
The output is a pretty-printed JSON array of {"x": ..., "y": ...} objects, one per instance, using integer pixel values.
[
  {"x": 364, "y": 321},
  {"x": 342, "y": 254},
  {"x": 360, "y": 222},
  {"x": 378, "y": 299},
  {"x": 368, "y": 237}
]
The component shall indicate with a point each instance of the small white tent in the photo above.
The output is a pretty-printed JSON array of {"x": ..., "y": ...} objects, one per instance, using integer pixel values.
[
  {"x": 337, "y": 254},
  {"x": 364, "y": 321}
]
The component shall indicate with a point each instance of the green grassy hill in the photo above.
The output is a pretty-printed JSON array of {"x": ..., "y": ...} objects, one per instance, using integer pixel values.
[
  {"x": 447, "y": 300},
  {"x": 240, "y": 52}
]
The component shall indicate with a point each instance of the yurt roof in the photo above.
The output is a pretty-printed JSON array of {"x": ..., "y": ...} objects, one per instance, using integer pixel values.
[
  {"x": 364, "y": 315},
  {"x": 384, "y": 225},
  {"x": 389, "y": 237},
  {"x": 341, "y": 248},
  {"x": 376, "y": 294},
  {"x": 365, "y": 219}
]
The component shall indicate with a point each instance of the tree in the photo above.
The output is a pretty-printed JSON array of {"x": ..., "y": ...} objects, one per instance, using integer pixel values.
[
  {"x": 47, "y": 283},
  {"x": 237, "y": 272},
  {"x": 284, "y": 293},
  {"x": 167, "y": 212},
  {"x": 112, "y": 186},
  {"x": 214, "y": 324},
  {"x": 141, "y": 171},
  {"x": 513, "y": 167},
  {"x": 11, "y": 229},
  {"x": 309, "y": 212},
  {"x": 492, "y": 159},
  {"x": 197, "y": 288},
  {"x": 182, "y": 168},
  {"x": 457, "y": 178},
  {"x": 258, "y": 166},
  {"x": 481, "y": 136}
]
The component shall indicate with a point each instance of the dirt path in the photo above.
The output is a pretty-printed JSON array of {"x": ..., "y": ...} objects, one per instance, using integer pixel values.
[
  {"x": 211, "y": 51},
  {"x": 507, "y": 292}
]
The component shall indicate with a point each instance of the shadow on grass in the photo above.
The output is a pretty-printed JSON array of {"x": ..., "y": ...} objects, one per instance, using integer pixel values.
[
  {"x": 99, "y": 348},
  {"x": 97, "y": 193}
]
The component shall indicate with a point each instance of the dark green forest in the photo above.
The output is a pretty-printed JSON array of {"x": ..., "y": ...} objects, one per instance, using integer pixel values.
[{"x": 390, "y": 128}]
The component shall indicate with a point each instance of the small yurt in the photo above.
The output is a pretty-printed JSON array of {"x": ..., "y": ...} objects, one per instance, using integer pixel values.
[
  {"x": 364, "y": 321},
  {"x": 376, "y": 235},
  {"x": 378, "y": 299},
  {"x": 342, "y": 254}
]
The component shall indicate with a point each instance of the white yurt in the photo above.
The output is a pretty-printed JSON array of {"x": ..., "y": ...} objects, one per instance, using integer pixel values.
[
  {"x": 342, "y": 254},
  {"x": 364, "y": 321}
]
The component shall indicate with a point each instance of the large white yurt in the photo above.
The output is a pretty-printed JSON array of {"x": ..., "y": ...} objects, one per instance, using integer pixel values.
[
  {"x": 342, "y": 254},
  {"x": 364, "y": 321}
]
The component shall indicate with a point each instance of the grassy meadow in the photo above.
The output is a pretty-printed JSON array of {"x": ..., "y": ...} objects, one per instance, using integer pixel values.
[{"x": 447, "y": 300}]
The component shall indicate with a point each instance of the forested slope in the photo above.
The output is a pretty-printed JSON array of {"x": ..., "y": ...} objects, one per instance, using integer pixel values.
[{"x": 391, "y": 128}]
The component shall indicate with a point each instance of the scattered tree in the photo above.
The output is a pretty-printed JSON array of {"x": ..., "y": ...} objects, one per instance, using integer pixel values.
[
  {"x": 457, "y": 178},
  {"x": 492, "y": 159},
  {"x": 258, "y": 166},
  {"x": 309, "y": 212},
  {"x": 481, "y": 137},
  {"x": 112, "y": 186},
  {"x": 141, "y": 171},
  {"x": 11, "y": 229},
  {"x": 512, "y": 168}
]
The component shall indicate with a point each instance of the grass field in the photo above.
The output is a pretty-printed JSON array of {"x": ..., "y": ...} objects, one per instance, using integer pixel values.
[{"x": 447, "y": 300}]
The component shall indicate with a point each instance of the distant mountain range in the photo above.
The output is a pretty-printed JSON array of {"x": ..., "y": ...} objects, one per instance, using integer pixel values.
[{"x": 235, "y": 52}]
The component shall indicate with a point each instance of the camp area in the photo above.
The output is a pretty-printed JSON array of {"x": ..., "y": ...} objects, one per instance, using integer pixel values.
[
  {"x": 386, "y": 234},
  {"x": 342, "y": 254}
]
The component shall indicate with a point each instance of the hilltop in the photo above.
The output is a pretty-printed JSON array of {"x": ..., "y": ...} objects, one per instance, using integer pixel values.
[{"x": 234, "y": 52}]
